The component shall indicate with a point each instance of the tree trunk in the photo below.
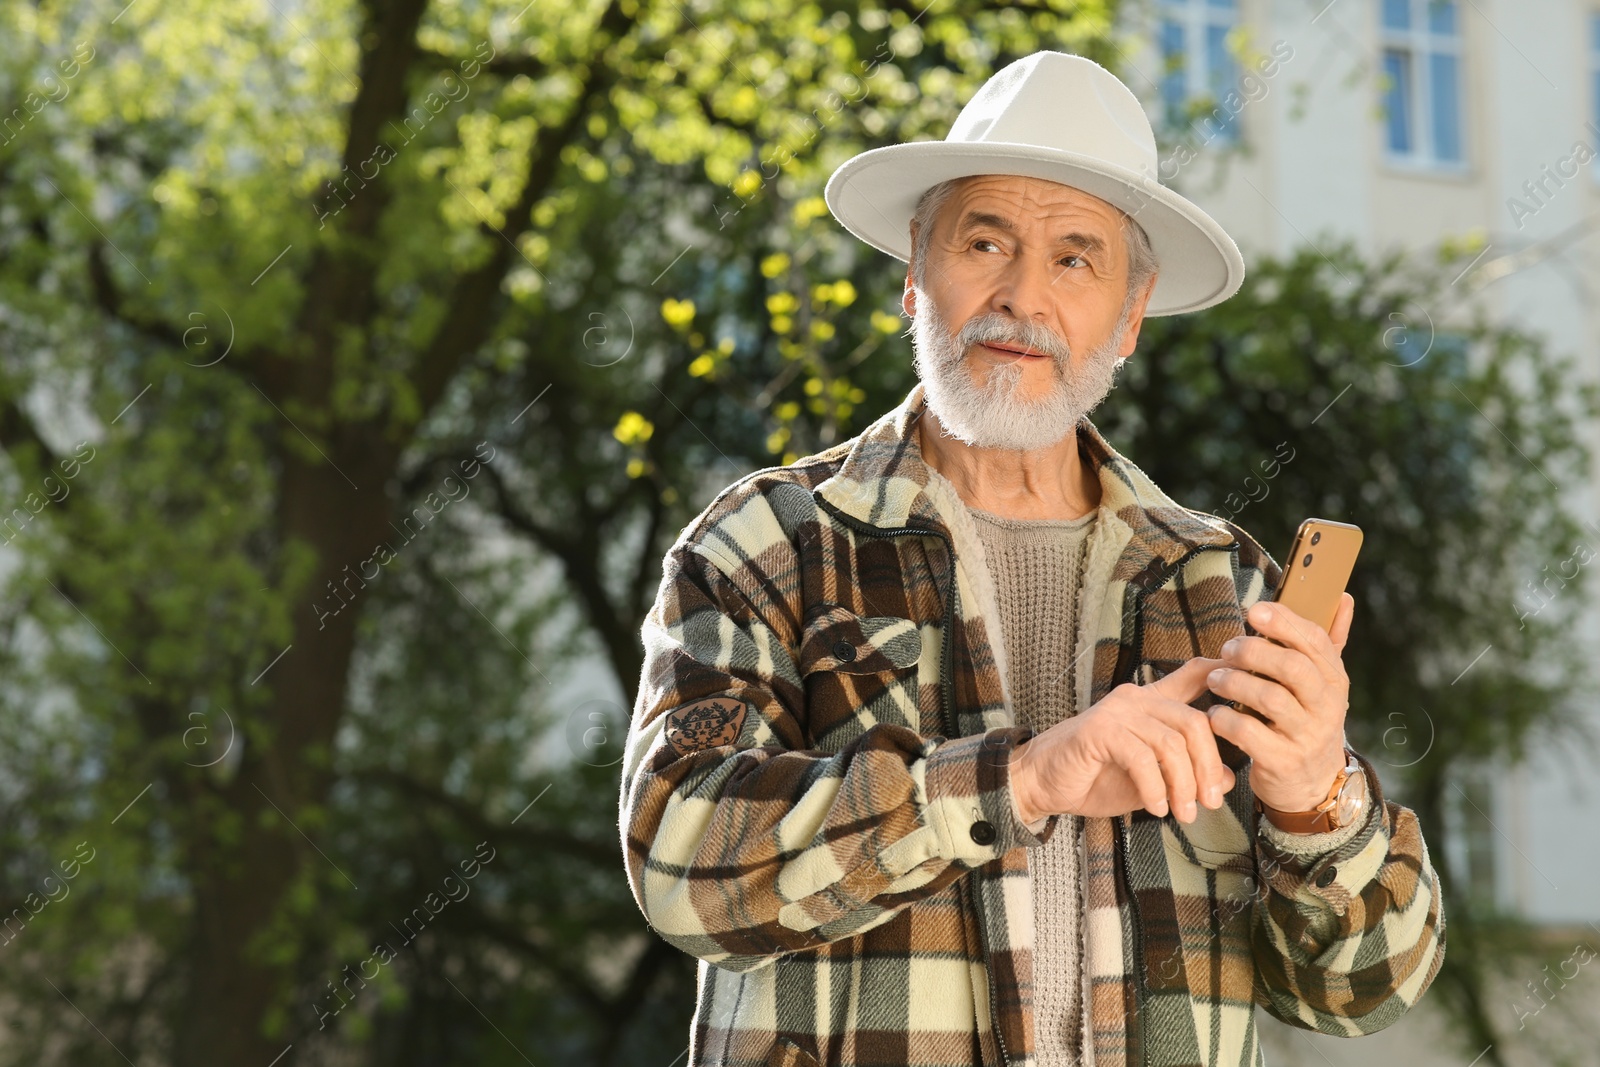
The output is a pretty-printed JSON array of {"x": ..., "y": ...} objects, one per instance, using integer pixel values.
[{"x": 237, "y": 890}]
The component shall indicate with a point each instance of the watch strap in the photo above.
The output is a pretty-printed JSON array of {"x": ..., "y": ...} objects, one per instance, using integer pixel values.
[{"x": 1320, "y": 819}]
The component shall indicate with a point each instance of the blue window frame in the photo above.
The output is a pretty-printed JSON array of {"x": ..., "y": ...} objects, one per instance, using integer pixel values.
[
  {"x": 1199, "y": 71},
  {"x": 1422, "y": 82}
]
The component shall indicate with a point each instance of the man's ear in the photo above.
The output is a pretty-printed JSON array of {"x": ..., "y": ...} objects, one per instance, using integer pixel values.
[
  {"x": 908, "y": 299},
  {"x": 1136, "y": 319}
]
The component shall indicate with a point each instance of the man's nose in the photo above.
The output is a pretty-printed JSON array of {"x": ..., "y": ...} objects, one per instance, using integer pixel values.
[{"x": 1024, "y": 291}]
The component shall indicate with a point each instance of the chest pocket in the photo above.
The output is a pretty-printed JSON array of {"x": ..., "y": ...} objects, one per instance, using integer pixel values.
[{"x": 858, "y": 670}]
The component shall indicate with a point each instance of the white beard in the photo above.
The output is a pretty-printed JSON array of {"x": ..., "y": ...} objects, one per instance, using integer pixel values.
[{"x": 996, "y": 414}]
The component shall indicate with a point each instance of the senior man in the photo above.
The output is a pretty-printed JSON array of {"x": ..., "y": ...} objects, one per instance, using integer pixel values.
[{"x": 926, "y": 765}]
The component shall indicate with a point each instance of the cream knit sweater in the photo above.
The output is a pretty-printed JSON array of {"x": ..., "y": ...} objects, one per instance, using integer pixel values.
[{"x": 1037, "y": 567}]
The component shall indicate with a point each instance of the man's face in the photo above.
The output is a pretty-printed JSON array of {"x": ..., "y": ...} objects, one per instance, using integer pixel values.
[{"x": 1020, "y": 329}]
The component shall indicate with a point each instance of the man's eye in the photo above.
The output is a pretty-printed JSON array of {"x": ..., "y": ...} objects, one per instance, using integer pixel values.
[
  {"x": 983, "y": 241},
  {"x": 1074, "y": 261}
]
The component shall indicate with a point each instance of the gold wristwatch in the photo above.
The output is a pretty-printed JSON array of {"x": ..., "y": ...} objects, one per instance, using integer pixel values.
[{"x": 1346, "y": 802}]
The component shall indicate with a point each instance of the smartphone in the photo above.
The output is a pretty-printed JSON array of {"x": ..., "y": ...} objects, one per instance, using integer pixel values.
[{"x": 1320, "y": 563}]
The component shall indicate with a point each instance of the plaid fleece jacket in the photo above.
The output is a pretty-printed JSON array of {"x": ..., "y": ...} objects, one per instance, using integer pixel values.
[{"x": 815, "y": 800}]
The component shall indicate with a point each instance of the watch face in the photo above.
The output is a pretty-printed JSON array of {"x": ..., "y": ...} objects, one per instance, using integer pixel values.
[{"x": 1352, "y": 799}]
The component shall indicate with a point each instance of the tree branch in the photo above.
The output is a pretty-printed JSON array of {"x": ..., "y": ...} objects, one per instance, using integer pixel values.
[
  {"x": 424, "y": 472},
  {"x": 467, "y": 323},
  {"x": 580, "y": 562},
  {"x": 500, "y": 66},
  {"x": 518, "y": 519},
  {"x": 472, "y": 817},
  {"x": 17, "y": 430},
  {"x": 109, "y": 299},
  {"x": 572, "y": 979}
]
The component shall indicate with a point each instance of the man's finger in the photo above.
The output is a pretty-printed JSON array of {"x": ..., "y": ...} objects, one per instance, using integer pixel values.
[
  {"x": 1249, "y": 734},
  {"x": 1188, "y": 681},
  {"x": 1171, "y": 749},
  {"x": 1283, "y": 709},
  {"x": 1261, "y": 657},
  {"x": 1211, "y": 775},
  {"x": 1340, "y": 632},
  {"x": 1145, "y": 773},
  {"x": 1293, "y": 630}
]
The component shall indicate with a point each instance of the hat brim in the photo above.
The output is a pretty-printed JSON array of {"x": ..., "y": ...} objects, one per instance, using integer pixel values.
[{"x": 874, "y": 195}]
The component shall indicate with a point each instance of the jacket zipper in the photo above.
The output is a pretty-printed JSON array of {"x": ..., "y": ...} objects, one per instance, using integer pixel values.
[
  {"x": 1141, "y": 977},
  {"x": 947, "y": 712}
]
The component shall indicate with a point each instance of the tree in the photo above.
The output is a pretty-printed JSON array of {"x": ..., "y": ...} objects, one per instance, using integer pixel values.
[{"x": 277, "y": 270}]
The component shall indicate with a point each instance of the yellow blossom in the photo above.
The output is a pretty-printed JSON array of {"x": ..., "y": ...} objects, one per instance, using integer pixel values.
[
  {"x": 886, "y": 323},
  {"x": 745, "y": 185},
  {"x": 633, "y": 429},
  {"x": 677, "y": 313},
  {"x": 775, "y": 264},
  {"x": 812, "y": 207}
]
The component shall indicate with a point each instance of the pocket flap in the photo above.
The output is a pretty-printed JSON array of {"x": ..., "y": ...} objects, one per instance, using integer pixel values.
[
  {"x": 1215, "y": 840},
  {"x": 838, "y": 639}
]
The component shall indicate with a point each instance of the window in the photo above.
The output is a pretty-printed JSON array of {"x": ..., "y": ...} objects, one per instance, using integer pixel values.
[
  {"x": 1422, "y": 82},
  {"x": 1199, "y": 70},
  {"x": 1594, "y": 77}
]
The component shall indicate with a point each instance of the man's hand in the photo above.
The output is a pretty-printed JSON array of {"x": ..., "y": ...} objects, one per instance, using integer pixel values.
[
  {"x": 1141, "y": 746},
  {"x": 1302, "y": 689}
]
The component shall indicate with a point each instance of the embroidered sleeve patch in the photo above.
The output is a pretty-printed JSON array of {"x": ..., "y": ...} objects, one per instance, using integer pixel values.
[{"x": 705, "y": 724}]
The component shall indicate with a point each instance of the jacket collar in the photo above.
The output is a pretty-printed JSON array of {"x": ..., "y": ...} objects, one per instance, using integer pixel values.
[{"x": 883, "y": 481}]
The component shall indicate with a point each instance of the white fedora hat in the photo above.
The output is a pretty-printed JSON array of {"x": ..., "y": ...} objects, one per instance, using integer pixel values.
[{"x": 1066, "y": 119}]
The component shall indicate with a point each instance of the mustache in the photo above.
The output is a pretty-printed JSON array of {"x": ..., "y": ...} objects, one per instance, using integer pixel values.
[{"x": 998, "y": 328}]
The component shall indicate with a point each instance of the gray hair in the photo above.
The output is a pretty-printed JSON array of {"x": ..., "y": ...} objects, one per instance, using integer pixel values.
[{"x": 1142, "y": 263}]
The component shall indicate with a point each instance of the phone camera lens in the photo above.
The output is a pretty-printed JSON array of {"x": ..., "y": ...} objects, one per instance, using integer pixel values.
[
  {"x": 1316, "y": 537},
  {"x": 1307, "y": 561}
]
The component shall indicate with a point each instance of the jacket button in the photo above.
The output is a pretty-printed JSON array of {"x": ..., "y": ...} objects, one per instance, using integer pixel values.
[
  {"x": 1325, "y": 879},
  {"x": 844, "y": 651},
  {"x": 983, "y": 832}
]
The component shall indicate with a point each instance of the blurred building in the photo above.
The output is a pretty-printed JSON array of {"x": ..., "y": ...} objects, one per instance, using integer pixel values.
[{"x": 1400, "y": 124}]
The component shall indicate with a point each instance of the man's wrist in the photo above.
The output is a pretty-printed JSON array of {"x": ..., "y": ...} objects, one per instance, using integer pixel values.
[
  {"x": 1314, "y": 794},
  {"x": 1299, "y": 818},
  {"x": 1301, "y": 844},
  {"x": 1021, "y": 775}
]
